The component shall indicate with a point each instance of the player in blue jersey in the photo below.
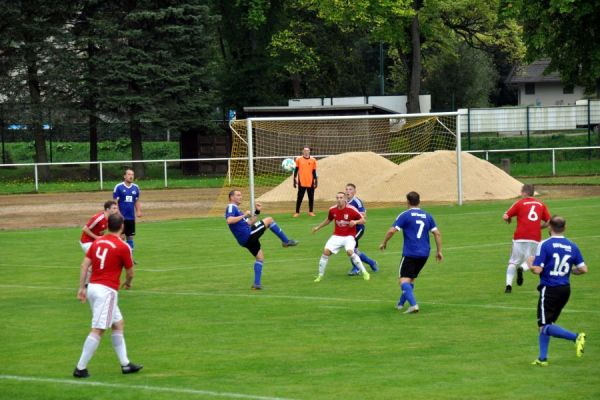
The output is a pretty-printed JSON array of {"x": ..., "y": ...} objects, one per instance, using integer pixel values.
[
  {"x": 127, "y": 196},
  {"x": 360, "y": 230},
  {"x": 415, "y": 225},
  {"x": 555, "y": 259},
  {"x": 247, "y": 230}
]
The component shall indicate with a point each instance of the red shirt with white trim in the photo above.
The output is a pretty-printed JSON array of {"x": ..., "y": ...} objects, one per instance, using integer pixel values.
[
  {"x": 97, "y": 224},
  {"x": 109, "y": 255},
  {"x": 529, "y": 212},
  {"x": 342, "y": 218}
]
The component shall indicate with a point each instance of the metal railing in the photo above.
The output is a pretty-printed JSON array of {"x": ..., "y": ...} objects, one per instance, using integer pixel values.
[{"x": 165, "y": 162}]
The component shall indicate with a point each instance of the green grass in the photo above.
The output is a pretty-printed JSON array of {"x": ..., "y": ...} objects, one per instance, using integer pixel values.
[{"x": 195, "y": 325}]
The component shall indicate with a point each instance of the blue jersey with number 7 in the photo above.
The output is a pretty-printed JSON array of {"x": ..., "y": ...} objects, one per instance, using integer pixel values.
[
  {"x": 415, "y": 225},
  {"x": 557, "y": 255}
]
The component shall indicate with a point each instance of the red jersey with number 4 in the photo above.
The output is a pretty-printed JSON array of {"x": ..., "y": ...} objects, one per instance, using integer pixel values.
[
  {"x": 109, "y": 255},
  {"x": 529, "y": 212},
  {"x": 97, "y": 224},
  {"x": 342, "y": 218}
]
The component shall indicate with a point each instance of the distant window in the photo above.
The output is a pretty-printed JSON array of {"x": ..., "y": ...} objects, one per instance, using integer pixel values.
[
  {"x": 568, "y": 89},
  {"x": 530, "y": 88}
]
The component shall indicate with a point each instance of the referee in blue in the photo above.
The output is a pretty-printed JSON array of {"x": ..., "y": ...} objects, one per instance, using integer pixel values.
[{"x": 555, "y": 259}]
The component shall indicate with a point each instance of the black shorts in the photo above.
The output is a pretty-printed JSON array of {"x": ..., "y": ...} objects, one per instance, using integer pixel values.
[
  {"x": 253, "y": 243},
  {"x": 359, "y": 233},
  {"x": 129, "y": 227},
  {"x": 411, "y": 266},
  {"x": 551, "y": 302}
]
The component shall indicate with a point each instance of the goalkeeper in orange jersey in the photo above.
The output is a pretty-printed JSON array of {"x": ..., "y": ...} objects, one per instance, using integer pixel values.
[{"x": 305, "y": 179}]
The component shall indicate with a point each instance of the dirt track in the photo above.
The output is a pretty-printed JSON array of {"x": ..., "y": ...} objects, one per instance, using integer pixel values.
[{"x": 74, "y": 209}]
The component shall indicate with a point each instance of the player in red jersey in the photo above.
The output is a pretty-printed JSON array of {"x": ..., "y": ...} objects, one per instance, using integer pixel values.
[
  {"x": 346, "y": 218},
  {"x": 96, "y": 226},
  {"x": 529, "y": 212},
  {"x": 107, "y": 256}
]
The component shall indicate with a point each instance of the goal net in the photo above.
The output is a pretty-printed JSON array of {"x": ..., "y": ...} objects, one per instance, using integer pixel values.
[{"x": 368, "y": 151}]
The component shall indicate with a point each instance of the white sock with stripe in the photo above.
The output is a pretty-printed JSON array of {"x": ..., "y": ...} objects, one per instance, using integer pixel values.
[
  {"x": 118, "y": 342},
  {"x": 323, "y": 264},
  {"x": 89, "y": 348},
  {"x": 356, "y": 261}
]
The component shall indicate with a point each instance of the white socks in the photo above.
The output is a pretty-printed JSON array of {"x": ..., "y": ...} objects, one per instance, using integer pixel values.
[
  {"x": 510, "y": 274},
  {"x": 356, "y": 261},
  {"x": 89, "y": 348},
  {"x": 118, "y": 342},
  {"x": 323, "y": 264}
]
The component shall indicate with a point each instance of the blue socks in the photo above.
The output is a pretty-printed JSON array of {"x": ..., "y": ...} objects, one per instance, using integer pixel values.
[
  {"x": 277, "y": 230},
  {"x": 258, "y": 265},
  {"x": 365, "y": 259},
  {"x": 403, "y": 297},
  {"x": 407, "y": 292},
  {"x": 544, "y": 341},
  {"x": 559, "y": 332},
  {"x": 130, "y": 243}
]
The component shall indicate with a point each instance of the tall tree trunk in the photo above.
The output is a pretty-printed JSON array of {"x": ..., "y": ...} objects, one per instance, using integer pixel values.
[
  {"x": 296, "y": 81},
  {"x": 33, "y": 83},
  {"x": 135, "y": 131},
  {"x": 91, "y": 109},
  {"x": 414, "y": 87}
]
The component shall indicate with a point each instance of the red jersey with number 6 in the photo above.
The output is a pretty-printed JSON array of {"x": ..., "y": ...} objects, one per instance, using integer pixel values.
[
  {"x": 109, "y": 255},
  {"x": 529, "y": 212},
  {"x": 342, "y": 219}
]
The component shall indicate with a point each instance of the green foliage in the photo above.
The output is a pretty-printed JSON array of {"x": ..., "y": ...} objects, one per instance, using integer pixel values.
[{"x": 566, "y": 31}]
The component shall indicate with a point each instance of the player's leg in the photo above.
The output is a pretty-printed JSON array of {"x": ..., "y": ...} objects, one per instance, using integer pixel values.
[
  {"x": 253, "y": 246},
  {"x": 355, "y": 271},
  {"x": 118, "y": 342},
  {"x": 350, "y": 245},
  {"x": 311, "y": 200},
  {"x": 85, "y": 247},
  {"x": 409, "y": 271},
  {"x": 511, "y": 270},
  {"x": 129, "y": 232},
  {"x": 299, "y": 198},
  {"x": 330, "y": 247},
  {"x": 270, "y": 223},
  {"x": 363, "y": 257}
]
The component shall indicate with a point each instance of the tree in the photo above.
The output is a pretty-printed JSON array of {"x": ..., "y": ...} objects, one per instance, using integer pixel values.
[
  {"x": 156, "y": 65},
  {"x": 27, "y": 31},
  {"x": 567, "y": 32}
]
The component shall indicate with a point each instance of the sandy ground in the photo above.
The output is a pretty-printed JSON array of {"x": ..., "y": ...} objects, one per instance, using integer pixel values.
[{"x": 74, "y": 209}]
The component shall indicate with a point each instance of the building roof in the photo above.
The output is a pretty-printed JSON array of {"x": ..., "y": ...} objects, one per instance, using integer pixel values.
[
  {"x": 347, "y": 109},
  {"x": 533, "y": 73}
]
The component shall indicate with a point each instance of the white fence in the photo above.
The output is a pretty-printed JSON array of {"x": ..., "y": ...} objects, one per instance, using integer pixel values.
[{"x": 165, "y": 163}]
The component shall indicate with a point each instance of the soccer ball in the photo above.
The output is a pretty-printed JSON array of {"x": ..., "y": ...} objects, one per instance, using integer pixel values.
[{"x": 288, "y": 165}]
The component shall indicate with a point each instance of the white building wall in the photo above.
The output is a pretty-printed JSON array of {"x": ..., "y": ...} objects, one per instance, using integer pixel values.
[
  {"x": 394, "y": 103},
  {"x": 549, "y": 94}
]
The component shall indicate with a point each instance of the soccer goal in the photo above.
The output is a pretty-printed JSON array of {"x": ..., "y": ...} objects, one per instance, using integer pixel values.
[{"x": 385, "y": 156}]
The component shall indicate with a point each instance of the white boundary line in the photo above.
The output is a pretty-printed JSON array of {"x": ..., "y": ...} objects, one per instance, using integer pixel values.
[
  {"x": 306, "y": 298},
  {"x": 138, "y": 387}
]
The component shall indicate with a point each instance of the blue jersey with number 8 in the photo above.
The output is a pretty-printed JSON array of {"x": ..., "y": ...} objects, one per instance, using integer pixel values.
[{"x": 557, "y": 256}]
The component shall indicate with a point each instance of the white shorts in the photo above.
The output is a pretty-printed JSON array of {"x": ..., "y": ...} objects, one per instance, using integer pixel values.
[
  {"x": 103, "y": 302},
  {"x": 521, "y": 251},
  {"x": 85, "y": 246},
  {"x": 335, "y": 243}
]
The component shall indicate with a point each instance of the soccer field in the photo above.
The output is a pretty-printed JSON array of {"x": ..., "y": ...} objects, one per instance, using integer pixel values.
[{"x": 201, "y": 333}]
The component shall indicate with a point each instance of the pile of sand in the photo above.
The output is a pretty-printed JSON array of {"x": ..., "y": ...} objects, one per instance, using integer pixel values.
[{"x": 432, "y": 175}]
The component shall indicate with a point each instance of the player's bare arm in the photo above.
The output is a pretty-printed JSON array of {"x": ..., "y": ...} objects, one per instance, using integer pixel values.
[
  {"x": 322, "y": 224},
  {"x": 128, "y": 278},
  {"x": 82, "y": 292},
  {"x": 138, "y": 209},
  {"x": 580, "y": 270},
  {"x": 388, "y": 236},
  {"x": 437, "y": 236},
  {"x": 233, "y": 220},
  {"x": 89, "y": 232}
]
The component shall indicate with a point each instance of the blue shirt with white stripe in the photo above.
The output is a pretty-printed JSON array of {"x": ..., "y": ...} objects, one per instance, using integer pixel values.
[
  {"x": 557, "y": 255},
  {"x": 415, "y": 225},
  {"x": 241, "y": 230},
  {"x": 126, "y": 196},
  {"x": 358, "y": 204}
]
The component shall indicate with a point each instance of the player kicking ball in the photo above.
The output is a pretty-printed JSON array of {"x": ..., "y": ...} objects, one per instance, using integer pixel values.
[
  {"x": 346, "y": 218},
  {"x": 247, "y": 231}
]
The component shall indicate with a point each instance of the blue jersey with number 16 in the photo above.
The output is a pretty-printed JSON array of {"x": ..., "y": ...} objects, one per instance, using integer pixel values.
[
  {"x": 557, "y": 255},
  {"x": 415, "y": 225}
]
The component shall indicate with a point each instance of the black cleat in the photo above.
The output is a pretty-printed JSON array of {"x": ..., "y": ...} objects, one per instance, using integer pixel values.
[
  {"x": 508, "y": 289},
  {"x": 290, "y": 243},
  {"x": 131, "y": 368},
  {"x": 81, "y": 373},
  {"x": 519, "y": 276}
]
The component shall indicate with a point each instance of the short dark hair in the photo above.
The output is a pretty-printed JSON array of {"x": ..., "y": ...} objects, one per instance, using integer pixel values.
[
  {"x": 108, "y": 204},
  {"x": 340, "y": 193},
  {"x": 413, "y": 198},
  {"x": 351, "y": 184},
  {"x": 528, "y": 189},
  {"x": 115, "y": 221},
  {"x": 557, "y": 224},
  {"x": 233, "y": 192}
]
